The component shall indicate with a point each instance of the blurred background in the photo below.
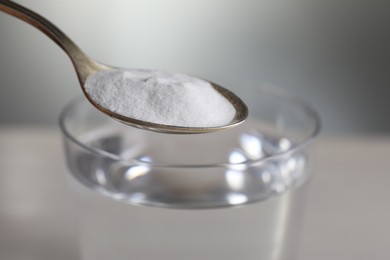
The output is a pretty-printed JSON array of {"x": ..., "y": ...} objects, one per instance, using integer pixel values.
[{"x": 334, "y": 54}]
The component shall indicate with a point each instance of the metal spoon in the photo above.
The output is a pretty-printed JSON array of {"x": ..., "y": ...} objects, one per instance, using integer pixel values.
[{"x": 86, "y": 67}]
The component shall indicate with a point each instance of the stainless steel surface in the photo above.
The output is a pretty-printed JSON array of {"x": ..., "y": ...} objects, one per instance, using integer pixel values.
[
  {"x": 346, "y": 218},
  {"x": 86, "y": 67}
]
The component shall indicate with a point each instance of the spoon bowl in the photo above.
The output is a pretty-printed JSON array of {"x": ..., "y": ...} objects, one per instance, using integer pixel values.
[{"x": 86, "y": 67}]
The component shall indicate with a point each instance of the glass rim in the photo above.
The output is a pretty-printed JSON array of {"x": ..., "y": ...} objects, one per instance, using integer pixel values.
[{"x": 280, "y": 93}]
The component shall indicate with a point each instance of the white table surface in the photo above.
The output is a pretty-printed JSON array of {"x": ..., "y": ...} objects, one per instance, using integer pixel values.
[{"x": 347, "y": 213}]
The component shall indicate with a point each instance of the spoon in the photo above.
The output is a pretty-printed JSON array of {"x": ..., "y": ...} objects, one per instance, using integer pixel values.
[{"x": 86, "y": 67}]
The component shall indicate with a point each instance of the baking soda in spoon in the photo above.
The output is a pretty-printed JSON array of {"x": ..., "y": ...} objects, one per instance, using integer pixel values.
[
  {"x": 167, "y": 103},
  {"x": 160, "y": 97}
]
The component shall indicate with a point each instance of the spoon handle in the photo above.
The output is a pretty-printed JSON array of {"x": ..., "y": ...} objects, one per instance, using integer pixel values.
[{"x": 83, "y": 64}]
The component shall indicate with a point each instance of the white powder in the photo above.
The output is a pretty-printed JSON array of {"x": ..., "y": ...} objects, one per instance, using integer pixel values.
[{"x": 160, "y": 97}]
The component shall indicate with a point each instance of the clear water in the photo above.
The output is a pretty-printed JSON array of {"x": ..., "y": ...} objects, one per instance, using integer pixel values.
[
  {"x": 146, "y": 175},
  {"x": 245, "y": 210}
]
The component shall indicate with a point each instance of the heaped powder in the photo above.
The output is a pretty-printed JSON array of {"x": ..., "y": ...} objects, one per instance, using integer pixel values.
[{"x": 160, "y": 97}]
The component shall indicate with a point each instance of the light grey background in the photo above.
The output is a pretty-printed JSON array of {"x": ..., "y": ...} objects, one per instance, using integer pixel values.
[{"x": 335, "y": 54}]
